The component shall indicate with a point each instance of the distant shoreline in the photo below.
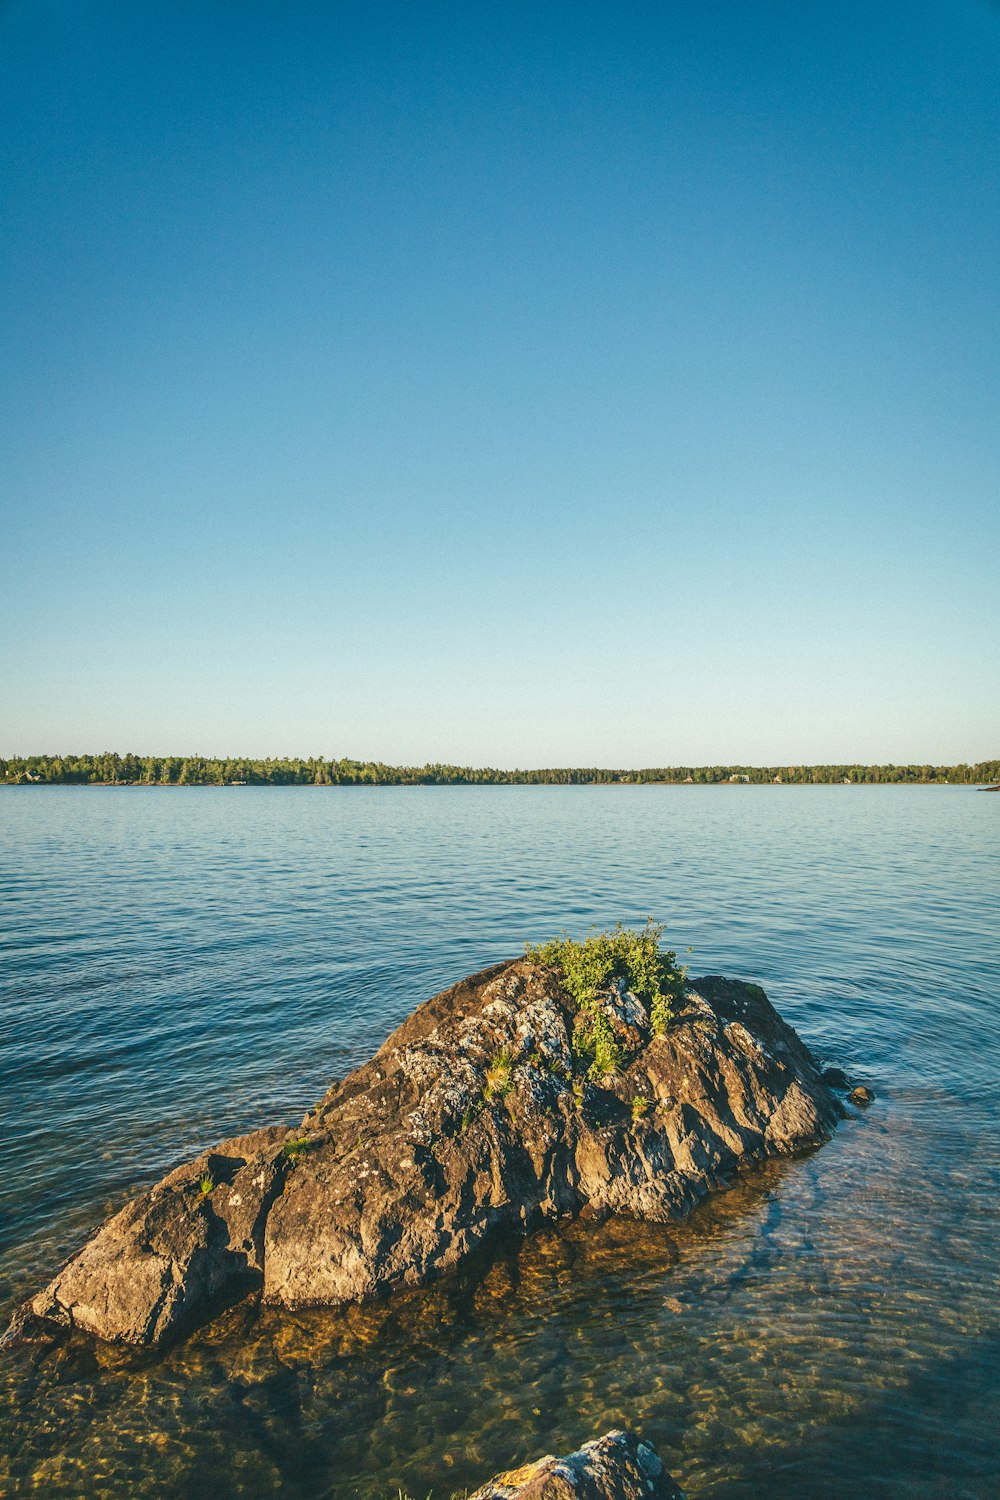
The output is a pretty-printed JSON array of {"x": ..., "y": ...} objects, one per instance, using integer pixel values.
[
  {"x": 109, "y": 769},
  {"x": 417, "y": 786}
]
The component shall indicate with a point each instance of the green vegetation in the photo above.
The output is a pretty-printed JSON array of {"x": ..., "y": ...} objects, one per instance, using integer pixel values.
[
  {"x": 595, "y": 1051},
  {"x": 499, "y": 1081},
  {"x": 112, "y": 769},
  {"x": 641, "y": 1105},
  {"x": 205, "y": 1184},
  {"x": 294, "y": 1151},
  {"x": 587, "y": 969}
]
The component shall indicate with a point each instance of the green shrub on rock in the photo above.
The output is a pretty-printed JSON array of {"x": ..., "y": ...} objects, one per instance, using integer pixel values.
[{"x": 587, "y": 969}]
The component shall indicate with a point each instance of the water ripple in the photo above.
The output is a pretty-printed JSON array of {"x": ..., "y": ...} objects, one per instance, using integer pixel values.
[{"x": 179, "y": 965}]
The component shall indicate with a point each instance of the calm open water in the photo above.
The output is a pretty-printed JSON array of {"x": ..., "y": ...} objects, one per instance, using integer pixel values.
[{"x": 180, "y": 965}]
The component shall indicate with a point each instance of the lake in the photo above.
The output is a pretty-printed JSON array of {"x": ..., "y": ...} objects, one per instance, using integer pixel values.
[{"x": 179, "y": 965}]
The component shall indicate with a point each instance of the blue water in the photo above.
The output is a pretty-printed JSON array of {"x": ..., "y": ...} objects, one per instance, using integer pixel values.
[{"x": 177, "y": 965}]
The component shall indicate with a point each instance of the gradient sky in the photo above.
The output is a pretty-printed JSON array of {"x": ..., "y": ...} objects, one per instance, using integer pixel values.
[{"x": 547, "y": 383}]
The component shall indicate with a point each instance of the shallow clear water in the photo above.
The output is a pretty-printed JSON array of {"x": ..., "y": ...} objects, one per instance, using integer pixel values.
[{"x": 178, "y": 965}]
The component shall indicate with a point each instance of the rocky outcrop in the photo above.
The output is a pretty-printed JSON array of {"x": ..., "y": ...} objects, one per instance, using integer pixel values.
[
  {"x": 617, "y": 1466},
  {"x": 474, "y": 1118}
]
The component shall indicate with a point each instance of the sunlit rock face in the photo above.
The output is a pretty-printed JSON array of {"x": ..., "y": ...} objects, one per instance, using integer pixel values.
[
  {"x": 473, "y": 1119},
  {"x": 617, "y": 1466}
]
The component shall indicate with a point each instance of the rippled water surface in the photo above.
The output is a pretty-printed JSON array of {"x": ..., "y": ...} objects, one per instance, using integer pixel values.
[{"x": 179, "y": 965}]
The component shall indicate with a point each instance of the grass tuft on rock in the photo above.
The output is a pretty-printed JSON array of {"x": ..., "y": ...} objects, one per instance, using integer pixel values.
[
  {"x": 595, "y": 1049},
  {"x": 498, "y": 1082},
  {"x": 294, "y": 1151}
]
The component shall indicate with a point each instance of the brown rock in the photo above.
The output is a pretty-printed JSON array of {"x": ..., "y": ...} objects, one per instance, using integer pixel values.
[
  {"x": 617, "y": 1466},
  {"x": 194, "y": 1239},
  {"x": 470, "y": 1120},
  {"x": 861, "y": 1095}
]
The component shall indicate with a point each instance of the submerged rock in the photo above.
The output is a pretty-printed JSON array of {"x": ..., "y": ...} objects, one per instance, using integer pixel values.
[
  {"x": 861, "y": 1095},
  {"x": 472, "y": 1119},
  {"x": 617, "y": 1466}
]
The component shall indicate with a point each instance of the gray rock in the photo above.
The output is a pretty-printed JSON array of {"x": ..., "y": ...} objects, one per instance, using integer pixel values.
[
  {"x": 617, "y": 1466},
  {"x": 836, "y": 1078},
  {"x": 469, "y": 1121}
]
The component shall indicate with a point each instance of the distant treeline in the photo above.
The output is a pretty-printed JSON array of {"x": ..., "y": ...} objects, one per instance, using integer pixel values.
[{"x": 196, "y": 770}]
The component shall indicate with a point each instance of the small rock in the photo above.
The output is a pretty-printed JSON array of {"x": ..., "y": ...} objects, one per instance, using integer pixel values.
[
  {"x": 861, "y": 1095},
  {"x": 617, "y": 1466},
  {"x": 836, "y": 1078}
]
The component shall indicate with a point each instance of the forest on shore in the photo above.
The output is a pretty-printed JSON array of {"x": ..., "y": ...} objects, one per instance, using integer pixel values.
[{"x": 111, "y": 769}]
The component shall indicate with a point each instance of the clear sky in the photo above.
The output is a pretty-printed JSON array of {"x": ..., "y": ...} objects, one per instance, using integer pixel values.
[{"x": 506, "y": 383}]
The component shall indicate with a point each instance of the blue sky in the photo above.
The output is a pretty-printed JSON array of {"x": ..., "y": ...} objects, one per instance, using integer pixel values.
[{"x": 501, "y": 383}]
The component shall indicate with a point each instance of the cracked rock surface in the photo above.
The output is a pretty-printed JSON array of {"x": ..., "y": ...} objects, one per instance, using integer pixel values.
[
  {"x": 617, "y": 1466},
  {"x": 472, "y": 1119}
]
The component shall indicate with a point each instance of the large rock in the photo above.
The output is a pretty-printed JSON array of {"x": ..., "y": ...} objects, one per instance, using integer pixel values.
[
  {"x": 472, "y": 1119},
  {"x": 617, "y": 1466}
]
